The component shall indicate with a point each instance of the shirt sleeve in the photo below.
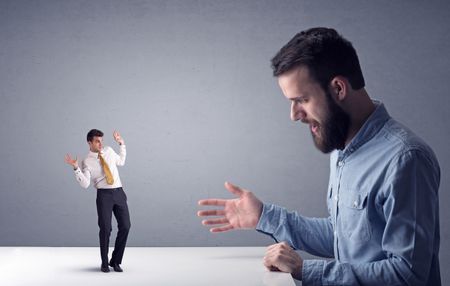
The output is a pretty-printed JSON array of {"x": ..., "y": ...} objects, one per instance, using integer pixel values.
[
  {"x": 313, "y": 235},
  {"x": 410, "y": 208},
  {"x": 120, "y": 158},
  {"x": 83, "y": 175}
]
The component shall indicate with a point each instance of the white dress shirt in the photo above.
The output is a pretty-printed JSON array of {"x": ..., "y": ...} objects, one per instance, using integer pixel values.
[{"x": 91, "y": 169}]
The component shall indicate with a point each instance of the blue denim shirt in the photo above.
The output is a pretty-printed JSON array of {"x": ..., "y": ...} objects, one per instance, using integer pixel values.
[{"x": 383, "y": 224}]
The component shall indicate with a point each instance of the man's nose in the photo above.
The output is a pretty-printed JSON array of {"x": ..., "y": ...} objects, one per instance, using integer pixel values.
[{"x": 297, "y": 112}]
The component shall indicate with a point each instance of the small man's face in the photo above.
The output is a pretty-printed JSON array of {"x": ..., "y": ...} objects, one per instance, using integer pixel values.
[{"x": 96, "y": 145}]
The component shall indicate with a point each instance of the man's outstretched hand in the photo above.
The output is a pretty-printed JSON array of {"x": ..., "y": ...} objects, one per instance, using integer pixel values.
[
  {"x": 242, "y": 212},
  {"x": 72, "y": 162},
  {"x": 118, "y": 137}
]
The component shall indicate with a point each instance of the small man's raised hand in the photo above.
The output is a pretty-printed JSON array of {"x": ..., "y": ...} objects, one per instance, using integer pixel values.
[
  {"x": 118, "y": 138},
  {"x": 72, "y": 162}
]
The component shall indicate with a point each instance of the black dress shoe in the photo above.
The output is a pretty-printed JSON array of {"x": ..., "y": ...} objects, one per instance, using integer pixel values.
[
  {"x": 104, "y": 268},
  {"x": 116, "y": 267}
]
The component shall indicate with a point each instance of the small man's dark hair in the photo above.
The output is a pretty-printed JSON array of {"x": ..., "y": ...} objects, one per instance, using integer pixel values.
[{"x": 92, "y": 133}]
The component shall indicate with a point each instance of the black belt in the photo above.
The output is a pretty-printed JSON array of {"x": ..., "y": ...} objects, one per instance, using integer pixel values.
[{"x": 112, "y": 189}]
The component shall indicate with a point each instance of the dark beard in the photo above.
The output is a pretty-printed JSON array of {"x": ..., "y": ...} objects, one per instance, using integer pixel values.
[{"x": 334, "y": 130}]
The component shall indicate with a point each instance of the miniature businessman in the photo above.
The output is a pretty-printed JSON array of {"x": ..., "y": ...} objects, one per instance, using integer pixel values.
[{"x": 100, "y": 168}]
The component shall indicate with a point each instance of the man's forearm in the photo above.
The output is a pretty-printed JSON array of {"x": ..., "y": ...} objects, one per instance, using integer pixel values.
[
  {"x": 391, "y": 271},
  {"x": 82, "y": 179},
  {"x": 122, "y": 155},
  {"x": 313, "y": 235}
]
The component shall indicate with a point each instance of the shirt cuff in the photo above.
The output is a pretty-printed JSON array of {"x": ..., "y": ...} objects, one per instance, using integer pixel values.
[
  {"x": 269, "y": 219},
  {"x": 312, "y": 272}
]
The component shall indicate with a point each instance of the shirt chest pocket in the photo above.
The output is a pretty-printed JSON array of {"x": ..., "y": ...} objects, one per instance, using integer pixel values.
[{"x": 353, "y": 216}]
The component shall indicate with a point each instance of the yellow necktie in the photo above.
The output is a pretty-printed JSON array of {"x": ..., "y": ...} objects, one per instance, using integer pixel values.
[{"x": 108, "y": 174}]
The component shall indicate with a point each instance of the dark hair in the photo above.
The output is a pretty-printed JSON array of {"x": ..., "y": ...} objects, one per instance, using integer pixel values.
[
  {"x": 324, "y": 52},
  {"x": 92, "y": 133}
]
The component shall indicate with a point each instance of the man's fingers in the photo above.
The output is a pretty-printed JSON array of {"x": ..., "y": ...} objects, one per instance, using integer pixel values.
[
  {"x": 274, "y": 262},
  {"x": 282, "y": 244},
  {"x": 279, "y": 251},
  {"x": 269, "y": 263},
  {"x": 272, "y": 247},
  {"x": 68, "y": 159},
  {"x": 274, "y": 268},
  {"x": 284, "y": 260},
  {"x": 234, "y": 189},
  {"x": 215, "y": 221},
  {"x": 222, "y": 228},
  {"x": 274, "y": 252},
  {"x": 212, "y": 202},
  {"x": 211, "y": 213}
]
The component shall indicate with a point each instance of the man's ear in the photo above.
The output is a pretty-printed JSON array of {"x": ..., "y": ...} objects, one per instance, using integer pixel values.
[{"x": 339, "y": 88}]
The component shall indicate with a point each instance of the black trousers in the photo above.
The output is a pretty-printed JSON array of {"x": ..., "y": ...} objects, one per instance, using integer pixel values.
[{"x": 111, "y": 201}]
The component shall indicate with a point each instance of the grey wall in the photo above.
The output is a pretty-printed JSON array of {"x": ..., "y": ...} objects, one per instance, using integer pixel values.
[{"x": 188, "y": 83}]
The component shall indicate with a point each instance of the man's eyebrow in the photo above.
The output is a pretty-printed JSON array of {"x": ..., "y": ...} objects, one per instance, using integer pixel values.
[{"x": 300, "y": 97}]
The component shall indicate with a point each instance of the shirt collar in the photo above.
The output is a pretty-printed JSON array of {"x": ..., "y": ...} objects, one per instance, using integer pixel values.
[
  {"x": 94, "y": 154},
  {"x": 369, "y": 129}
]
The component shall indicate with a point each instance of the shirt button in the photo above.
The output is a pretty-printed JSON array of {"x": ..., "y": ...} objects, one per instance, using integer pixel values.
[
  {"x": 335, "y": 233},
  {"x": 355, "y": 204},
  {"x": 336, "y": 198}
]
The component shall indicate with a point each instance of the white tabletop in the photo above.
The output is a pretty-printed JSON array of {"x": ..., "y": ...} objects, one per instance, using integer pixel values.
[{"x": 142, "y": 266}]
